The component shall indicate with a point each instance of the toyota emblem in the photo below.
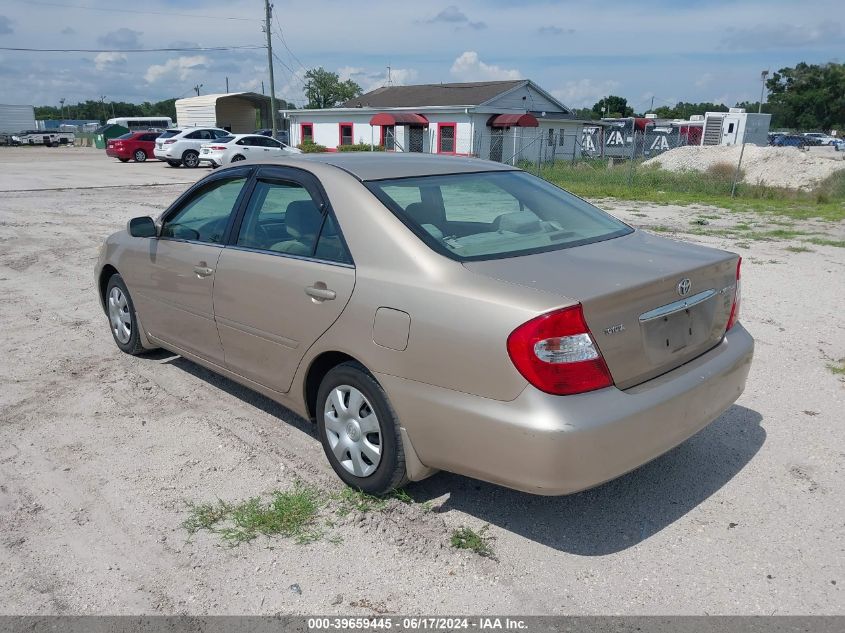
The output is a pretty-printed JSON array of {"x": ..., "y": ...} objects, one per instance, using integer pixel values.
[{"x": 684, "y": 286}]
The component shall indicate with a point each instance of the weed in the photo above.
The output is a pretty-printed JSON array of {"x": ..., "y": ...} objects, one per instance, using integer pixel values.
[
  {"x": 467, "y": 538},
  {"x": 400, "y": 495},
  {"x": 660, "y": 228},
  {"x": 351, "y": 500},
  {"x": 722, "y": 171},
  {"x": 837, "y": 369},
  {"x": 799, "y": 249},
  {"x": 820, "y": 241},
  {"x": 292, "y": 513}
]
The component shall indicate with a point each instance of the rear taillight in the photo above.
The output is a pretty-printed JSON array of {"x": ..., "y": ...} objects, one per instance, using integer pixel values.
[
  {"x": 557, "y": 354},
  {"x": 217, "y": 147},
  {"x": 169, "y": 141},
  {"x": 734, "y": 318}
]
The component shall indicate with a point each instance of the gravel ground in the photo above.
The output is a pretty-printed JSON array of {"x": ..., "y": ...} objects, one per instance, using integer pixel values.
[
  {"x": 786, "y": 167},
  {"x": 100, "y": 453}
]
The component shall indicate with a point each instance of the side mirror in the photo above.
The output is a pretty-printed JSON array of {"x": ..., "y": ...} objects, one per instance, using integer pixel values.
[{"x": 142, "y": 227}]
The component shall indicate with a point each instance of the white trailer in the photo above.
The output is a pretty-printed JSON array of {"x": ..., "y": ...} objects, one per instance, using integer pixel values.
[
  {"x": 735, "y": 127},
  {"x": 14, "y": 118}
]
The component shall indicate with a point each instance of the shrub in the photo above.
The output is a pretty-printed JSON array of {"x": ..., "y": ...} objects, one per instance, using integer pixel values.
[
  {"x": 310, "y": 147},
  {"x": 723, "y": 171},
  {"x": 360, "y": 147}
]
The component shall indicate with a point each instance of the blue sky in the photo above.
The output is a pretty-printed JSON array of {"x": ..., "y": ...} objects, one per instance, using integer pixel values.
[{"x": 707, "y": 50}]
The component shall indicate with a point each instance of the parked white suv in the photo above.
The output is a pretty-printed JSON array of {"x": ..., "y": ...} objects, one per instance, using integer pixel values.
[
  {"x": 182, "y": 146},
  {"x": 823, "y": 139}
]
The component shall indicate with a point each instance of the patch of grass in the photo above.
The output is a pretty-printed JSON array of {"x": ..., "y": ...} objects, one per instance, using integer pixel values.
[
  {"x": 660, "y": 228},
  {"x": 291, "y": 513},
  {"x": 799, "y": 249},
  {"x": 821, "y": 241},
  {"x": 350, "y": 500},
  {"x": 400, "y": 495},
  {"x": 837, "y": 369},
  {"x": 593, "y": 179},
  {"x": 467, "y": 538}
]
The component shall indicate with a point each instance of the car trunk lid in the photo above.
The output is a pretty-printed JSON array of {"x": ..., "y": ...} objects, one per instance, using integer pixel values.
[{"x": 651, "y": 303}]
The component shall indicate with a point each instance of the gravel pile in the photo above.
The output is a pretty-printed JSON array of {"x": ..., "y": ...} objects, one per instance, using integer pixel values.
[{"x": 773, "y": 166}]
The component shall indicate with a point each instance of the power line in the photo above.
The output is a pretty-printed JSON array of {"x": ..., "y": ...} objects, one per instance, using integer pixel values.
[
  {"x": 285, "y": 44},
  {"x": 131, "y": 50},
  {"x": 110, "y": 9}
]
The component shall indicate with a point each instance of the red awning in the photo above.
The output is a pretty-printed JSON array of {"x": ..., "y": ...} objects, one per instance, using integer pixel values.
[
  {"x": 513, "y": 120},
  {"x": 398, "y": 118}
]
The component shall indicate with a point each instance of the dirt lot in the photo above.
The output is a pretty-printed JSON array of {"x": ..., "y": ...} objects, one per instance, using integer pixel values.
[{"x": 100, "y": 453}]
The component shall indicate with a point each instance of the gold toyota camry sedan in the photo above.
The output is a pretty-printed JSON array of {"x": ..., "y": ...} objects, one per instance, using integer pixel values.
[{"x": 437, "y": 313}]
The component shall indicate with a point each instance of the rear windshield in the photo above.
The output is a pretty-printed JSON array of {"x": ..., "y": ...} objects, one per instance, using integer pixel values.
[
  {"x": 224, "y": 139},
  {"x": 497, "y": 214},
  {"x": 125, "y": 136},
  {"x": 169, "y": 133}
]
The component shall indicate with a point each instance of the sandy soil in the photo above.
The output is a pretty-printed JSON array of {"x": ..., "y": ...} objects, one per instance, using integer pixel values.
[{"x": 100, "y": 452}]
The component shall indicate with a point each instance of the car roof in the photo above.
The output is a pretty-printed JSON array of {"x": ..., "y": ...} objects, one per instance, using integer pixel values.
[{"x": 384, "y": 165}]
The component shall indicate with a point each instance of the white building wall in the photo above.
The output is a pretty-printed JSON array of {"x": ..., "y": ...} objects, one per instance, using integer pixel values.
[{"x": 16, "y": 118}]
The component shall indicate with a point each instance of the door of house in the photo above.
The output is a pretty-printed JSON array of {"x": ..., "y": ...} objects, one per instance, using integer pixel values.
[
  {"x": 415, "y": 139},
  {"x": 497, "y": 142}
]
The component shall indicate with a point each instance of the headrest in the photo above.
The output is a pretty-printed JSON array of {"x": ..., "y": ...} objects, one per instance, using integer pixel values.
[{"x": 302, "y": 218}]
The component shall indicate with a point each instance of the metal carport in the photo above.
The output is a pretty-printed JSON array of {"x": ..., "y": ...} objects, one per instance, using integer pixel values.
[{"x": 238, "y": 112}]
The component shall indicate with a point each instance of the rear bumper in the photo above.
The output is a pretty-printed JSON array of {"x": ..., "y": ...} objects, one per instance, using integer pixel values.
[
  {"x": 163, "y": 154},
  {"x": 214, "y": 161},
  {"x": 113, "y": 153},
  {"x": 553, "y": 445}
]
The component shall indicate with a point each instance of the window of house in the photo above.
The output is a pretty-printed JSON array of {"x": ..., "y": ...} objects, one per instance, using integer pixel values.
[
  {"x": 345, "y": 134},
  {"x": 730, "y": 128},
  {"x": 307, "y": 133},
  {"x": 562, "y": 137},
  {"x": 446, "y": 138},
  {"x": 388, "y": 137},
  {"x": 551, "y": 141}
]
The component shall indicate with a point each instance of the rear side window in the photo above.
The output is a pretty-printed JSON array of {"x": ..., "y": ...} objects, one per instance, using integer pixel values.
[
  {"x": 125, "y": 137},
  {"x": 282, "y": 217},
  {"x": 494, "y": 214},
  {"x": 205, "y": 216},
  {"x": 169, "y": 133}
]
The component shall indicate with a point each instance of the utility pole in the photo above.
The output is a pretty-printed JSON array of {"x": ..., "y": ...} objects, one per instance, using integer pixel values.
[
  {"x": 103, "y": 107},
  {"x": 197, "y": 89},
  {"x": 268, "y": 12},
  {"x": 652, "y": 104},
  {"x": 763, "y": 76},
  {"x": 227, "y": 85},
  {"x": 62, "y": 109}
]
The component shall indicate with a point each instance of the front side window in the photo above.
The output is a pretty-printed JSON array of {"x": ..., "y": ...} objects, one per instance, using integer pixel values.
[
  {"x": 205, "y": 216},
  {"x": 494, "y": 214}
]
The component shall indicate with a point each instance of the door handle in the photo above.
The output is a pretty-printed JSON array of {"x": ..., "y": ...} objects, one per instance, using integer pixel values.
[
  {"x": 320, "y": 293},
  {"x": 203, "y": 271}
]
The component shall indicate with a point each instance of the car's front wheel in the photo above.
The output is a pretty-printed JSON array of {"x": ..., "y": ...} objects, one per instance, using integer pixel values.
[
  {"x": 190, "y": 159},
  {"x": 359, "y": 430},
  {"x": 140, "y": 156},
  {"x": 122, "y": 320}
]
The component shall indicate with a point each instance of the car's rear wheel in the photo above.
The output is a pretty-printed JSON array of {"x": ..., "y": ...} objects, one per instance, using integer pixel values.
[
  {"x": 140, "y": 156},
  {"x": 173, "y": 163},
  {"x": 359, "y": 430},
  {"x": 237, "y": 157},
  {"x": 122, "y": 320},
  {"x": 123, "y": 160},
  {"x": 190, "y": 159}
]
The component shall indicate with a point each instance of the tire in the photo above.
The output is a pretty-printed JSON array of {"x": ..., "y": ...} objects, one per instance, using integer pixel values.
[
  {"x": 236, "y": 158},
  {"x": 354, "y": 435},
  {"x": 123, "y": 160},
  {"x": 140, "y": 156},
  {"x": 190, "y": 159},
  {"x": 173, "y": 163},
  {"x": 121, "y": 313}
]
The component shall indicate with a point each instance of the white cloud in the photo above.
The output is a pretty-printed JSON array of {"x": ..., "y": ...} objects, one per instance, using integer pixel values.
[
  {"x": 584, "y": 92},
  {"x": 104, "y": 61},
  {"x": 704, "y": 80},
  {"x": 469, "y": 67},
  {"x": 180, "y": 68}
]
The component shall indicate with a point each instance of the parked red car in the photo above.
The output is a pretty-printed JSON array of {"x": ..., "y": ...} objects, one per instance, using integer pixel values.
[{"x": 137, "y": 146}]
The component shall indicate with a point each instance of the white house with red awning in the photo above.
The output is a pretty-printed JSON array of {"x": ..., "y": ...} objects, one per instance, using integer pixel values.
[{"x": 506, "y": 121}]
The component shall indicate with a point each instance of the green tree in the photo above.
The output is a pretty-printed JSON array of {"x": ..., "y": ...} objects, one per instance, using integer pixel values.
[
  {"x": 809, "y": 96},
  {"x": 614, "y": 107},
  {"x": 684, "y": 110},
  {"x": 324, "y": 89}
]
